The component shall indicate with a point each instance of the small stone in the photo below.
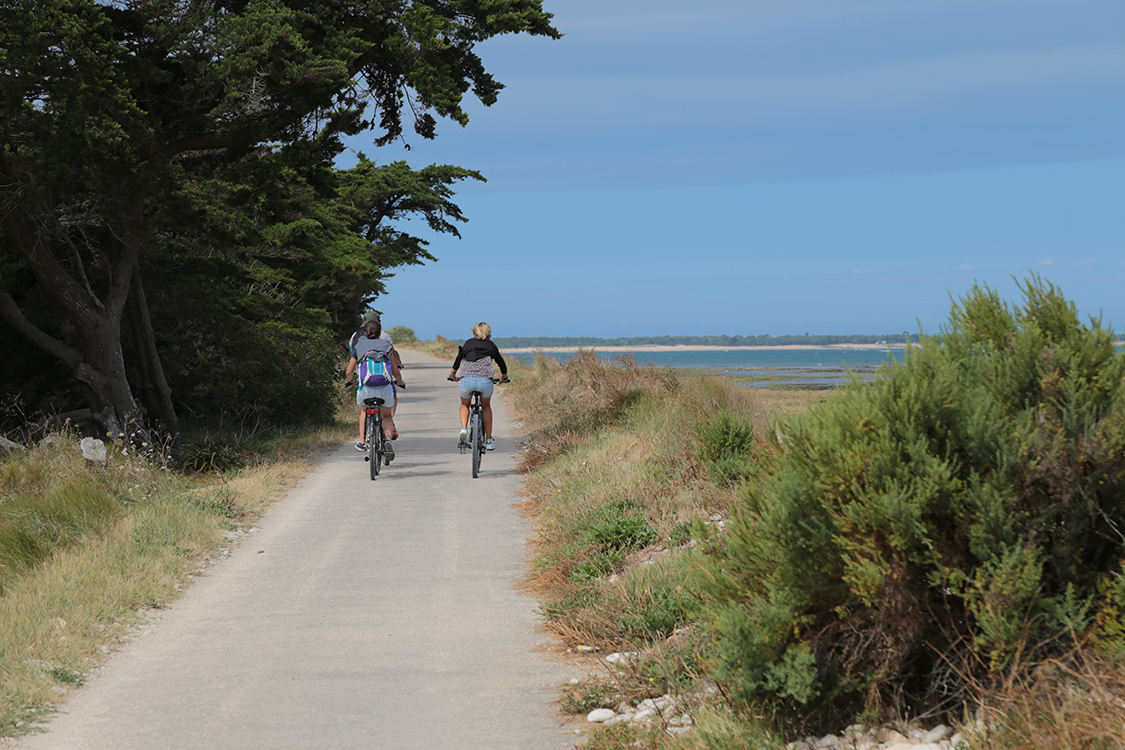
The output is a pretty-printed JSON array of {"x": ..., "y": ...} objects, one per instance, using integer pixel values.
[
  {"x": 93, "y": 450},
  {"x": 828, "y": 740},
  {"x": 7, "y": 446},
  {"x": 643, "y": 715},
  {"x": 600, "y": 715},
  {"x": 937, "y": 734},
  {"x": 618, "y": 657}
]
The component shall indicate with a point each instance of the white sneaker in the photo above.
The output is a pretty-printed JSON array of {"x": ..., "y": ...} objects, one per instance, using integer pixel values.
[
  {"x": 489, "y": 445},
  {"x": 463, "y": 437}
]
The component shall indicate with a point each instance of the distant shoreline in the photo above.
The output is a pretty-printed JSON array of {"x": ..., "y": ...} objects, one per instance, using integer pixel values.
[{"x": 691, "y": 348}]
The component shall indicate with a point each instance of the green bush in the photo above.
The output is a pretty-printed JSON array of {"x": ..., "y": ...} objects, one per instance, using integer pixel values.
[
  {"x": 726, "y": 446},
  {"x": 402, "y": 335},
  {"x": 922, "y": 531},
  {"x": 625, "y": 533}
]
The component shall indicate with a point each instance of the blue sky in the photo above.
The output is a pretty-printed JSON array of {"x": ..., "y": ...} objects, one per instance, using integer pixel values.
[{"x": 746, "y": 167}]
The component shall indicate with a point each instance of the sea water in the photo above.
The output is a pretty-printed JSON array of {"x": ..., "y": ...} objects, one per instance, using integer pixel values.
[{"x": 778, "y": 368}]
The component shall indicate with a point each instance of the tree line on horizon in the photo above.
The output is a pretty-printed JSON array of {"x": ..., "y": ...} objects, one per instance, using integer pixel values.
[{"x": 531, "y": 342}]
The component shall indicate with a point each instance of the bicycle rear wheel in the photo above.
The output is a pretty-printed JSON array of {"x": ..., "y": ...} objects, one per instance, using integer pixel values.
[
  {"x": 374, "y": 444},
  {"x": 477, "y": 436}
]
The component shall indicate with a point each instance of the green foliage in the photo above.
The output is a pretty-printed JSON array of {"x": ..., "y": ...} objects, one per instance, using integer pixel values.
[
  {"x": 726, "y": 446},
  {"x": 657, "y": 603},
  {"x": 402, "y": 335},
  {"x": 191, "y": 147},
  {"x": 599, "y": 565},
  {"x": 586, "y": 695},
  {"x": 624, "y": 533},
  {"x": 923, "y": 530}
]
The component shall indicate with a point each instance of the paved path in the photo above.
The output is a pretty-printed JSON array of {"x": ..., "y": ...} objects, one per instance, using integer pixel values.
[{"x": 361, "y": 614}]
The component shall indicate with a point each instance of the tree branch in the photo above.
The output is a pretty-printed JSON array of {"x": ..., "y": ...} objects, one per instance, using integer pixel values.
[{"x": 33, "y": 333}]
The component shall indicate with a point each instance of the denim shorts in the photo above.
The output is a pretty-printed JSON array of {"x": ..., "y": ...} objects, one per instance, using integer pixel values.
[
  {"x": 385, "y": 392},
  {"x": 468, "y": 385}
]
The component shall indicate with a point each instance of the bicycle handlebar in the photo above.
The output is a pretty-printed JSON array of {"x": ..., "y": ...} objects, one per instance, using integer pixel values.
[{"x": 452, "y": 379}]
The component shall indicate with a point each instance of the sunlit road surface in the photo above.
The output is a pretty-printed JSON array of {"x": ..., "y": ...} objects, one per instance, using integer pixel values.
[{"x": 360, "y": 614}]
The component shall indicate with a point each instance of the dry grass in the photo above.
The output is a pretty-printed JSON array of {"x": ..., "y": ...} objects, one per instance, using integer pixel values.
[
  {"x": 440, "y": 347},
  {"x": 61, "y": 615},
  {"x": 614, "y": 444},
  {"x": 1077, "y": 703}
]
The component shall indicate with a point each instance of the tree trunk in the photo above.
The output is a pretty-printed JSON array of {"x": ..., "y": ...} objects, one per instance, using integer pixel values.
[
  {"x": 92, "y": 351},
  {"x": 155, "y": 391}
]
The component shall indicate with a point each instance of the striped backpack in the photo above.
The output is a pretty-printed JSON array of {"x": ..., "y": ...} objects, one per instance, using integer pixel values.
[{"x": 375, "y": 370}]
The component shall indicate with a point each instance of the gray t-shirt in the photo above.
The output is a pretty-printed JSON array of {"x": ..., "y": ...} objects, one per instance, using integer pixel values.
[{"x": 361, "y": 345}]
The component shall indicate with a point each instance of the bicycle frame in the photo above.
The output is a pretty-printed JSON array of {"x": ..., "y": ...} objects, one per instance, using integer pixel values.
[{"x": 376, "y": 453}]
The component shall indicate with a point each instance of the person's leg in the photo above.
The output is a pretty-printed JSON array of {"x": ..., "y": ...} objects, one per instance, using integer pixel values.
[
  {"x": 486, "y": 414},
  {"x": 363, "y": 424},
  {"x": 388, "y": 422},
  {"x": 464, "y": 413}
]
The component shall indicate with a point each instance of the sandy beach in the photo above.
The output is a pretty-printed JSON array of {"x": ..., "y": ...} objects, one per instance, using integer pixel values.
[{"x": 612, "y": 349}]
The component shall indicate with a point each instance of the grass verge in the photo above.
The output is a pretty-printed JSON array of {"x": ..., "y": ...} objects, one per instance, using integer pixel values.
[
  {"x": 86, "y": 551},
  {"x": 625, "y": 466}
]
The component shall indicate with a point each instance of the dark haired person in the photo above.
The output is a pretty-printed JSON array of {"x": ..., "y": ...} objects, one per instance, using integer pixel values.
[
  {"x": 473, "y": 370},
  {"x": 373, "y": 315},
  {"x": 371, "y": 344}
]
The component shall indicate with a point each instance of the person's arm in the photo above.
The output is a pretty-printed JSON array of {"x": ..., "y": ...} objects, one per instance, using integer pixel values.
[
  {"x": 499, "y": 360},
  {"x": 457, "y": 362},
  {"x": 350, "y": 370},
  {"x": 395, "y": 368}
]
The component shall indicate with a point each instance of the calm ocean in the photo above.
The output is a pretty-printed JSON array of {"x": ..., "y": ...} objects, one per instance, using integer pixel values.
[{"x": 784, "y": 368}]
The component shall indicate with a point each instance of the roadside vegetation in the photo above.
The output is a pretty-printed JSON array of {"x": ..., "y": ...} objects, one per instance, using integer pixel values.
[
  {"x": 944, "y": 544},
  {"x": 88, "y": 551}
]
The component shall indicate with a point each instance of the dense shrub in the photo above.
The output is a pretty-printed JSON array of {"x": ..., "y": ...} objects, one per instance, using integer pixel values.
[
  {"x": 402, "y": 335},
  {"x": 923, "y": 530},
  {"x": 726, "y": 446}
]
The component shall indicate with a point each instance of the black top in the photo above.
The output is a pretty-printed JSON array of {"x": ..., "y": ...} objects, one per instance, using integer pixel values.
[{"x": 475, "y": 349}]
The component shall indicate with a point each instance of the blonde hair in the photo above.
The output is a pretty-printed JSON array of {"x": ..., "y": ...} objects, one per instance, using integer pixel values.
[{"x": 482, "y": 330}]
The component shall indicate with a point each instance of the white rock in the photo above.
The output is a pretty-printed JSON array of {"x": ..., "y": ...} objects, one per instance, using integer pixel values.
[
  {"x": 93, "y": 450},
  {"x": 644, "y": 714},
  {"x": 902, "y": 745},
  {"x": 937, "y": 734},
  {"x": 600, "y": 715},
  {"x": 586, "y": 649},
  {"x": 656, "y": 704},
  {"x": 7, "y": 446},
  {"x": 828, "y": 740},
  {"x": 618, "y": 657}
]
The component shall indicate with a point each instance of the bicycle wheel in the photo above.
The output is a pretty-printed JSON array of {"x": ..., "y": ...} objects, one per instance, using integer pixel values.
[
  {"x": 476, "y": 434},
  {"x": 374, "y": 444}
]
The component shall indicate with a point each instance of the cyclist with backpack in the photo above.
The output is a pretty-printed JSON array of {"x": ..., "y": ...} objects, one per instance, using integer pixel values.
[
  {"x": 473, "y": 370},
  {"x": 374, "y": 315},
  {"x": 377, "y": 378}
]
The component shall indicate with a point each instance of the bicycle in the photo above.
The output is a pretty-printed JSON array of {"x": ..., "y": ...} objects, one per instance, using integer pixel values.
[
  {"x": 376, "y": 440},
  {"x": 476, "y": 428}
]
